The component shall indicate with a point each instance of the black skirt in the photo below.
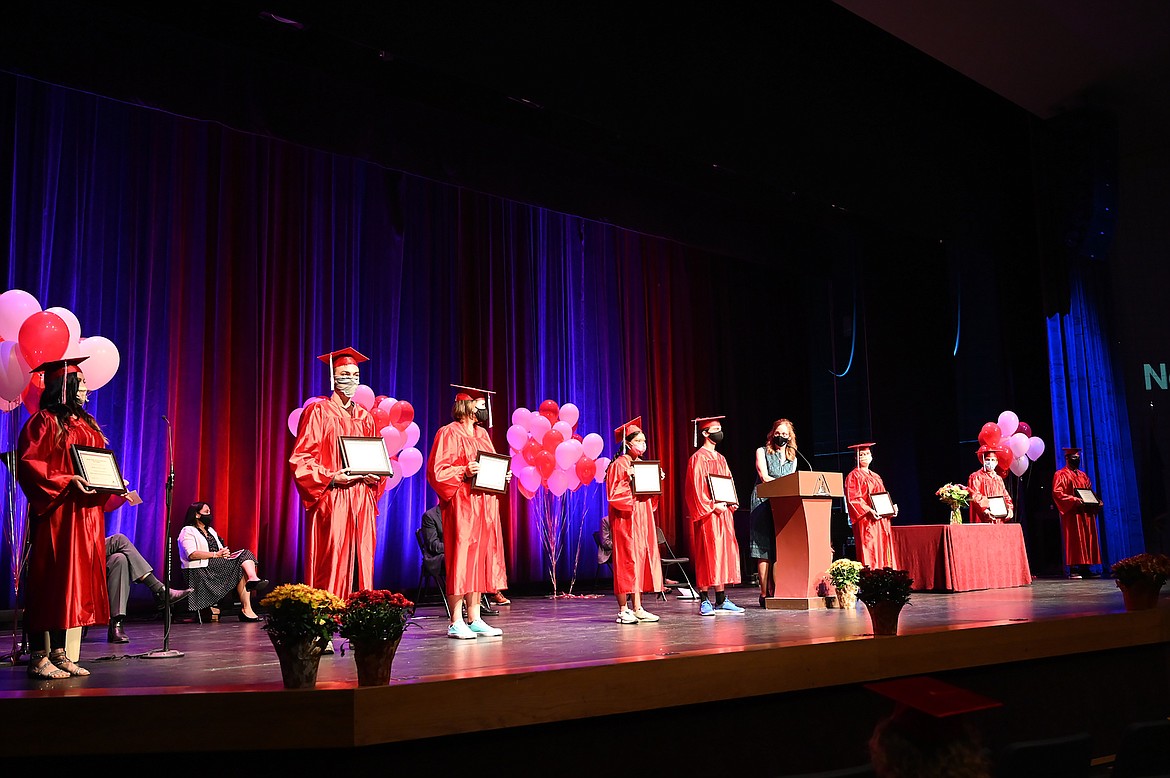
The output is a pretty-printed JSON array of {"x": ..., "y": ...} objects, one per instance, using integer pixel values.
[{"x": 211, "y": 583}]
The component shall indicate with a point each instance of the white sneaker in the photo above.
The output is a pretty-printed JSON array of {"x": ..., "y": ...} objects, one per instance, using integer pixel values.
[
  {"x": 481, "y": 629},
  {"x": 626, "y": 616},
  {"x": 644, "y": 615},
  {"x": 460, "y": 631}
]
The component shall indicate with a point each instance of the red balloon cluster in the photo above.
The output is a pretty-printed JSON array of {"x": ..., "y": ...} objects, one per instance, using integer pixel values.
[
  {"x": 548, "y": 452},
  {"x": 1014, "y": 444}
]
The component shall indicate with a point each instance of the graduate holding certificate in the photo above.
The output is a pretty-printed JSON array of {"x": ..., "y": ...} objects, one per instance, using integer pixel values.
[
  {"x": 984, "y": 484},
  {"x": 712, "y": 516},
  {"x": 1078, "y": 516},
  {"x": 637, "y": 565},
  {"x": 473, "y": 538},
  {"x": 870, "y": 510}
]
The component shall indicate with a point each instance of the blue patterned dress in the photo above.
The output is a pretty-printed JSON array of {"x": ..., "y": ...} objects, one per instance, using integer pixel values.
[{"x": 763, "y": 531}]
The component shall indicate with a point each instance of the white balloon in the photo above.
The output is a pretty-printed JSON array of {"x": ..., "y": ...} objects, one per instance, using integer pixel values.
[
  {"x": 103, "y": 361},
  {"x": 70, "y": 321}
]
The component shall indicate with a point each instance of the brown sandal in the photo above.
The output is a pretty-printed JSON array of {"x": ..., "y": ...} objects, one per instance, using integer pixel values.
[
  {"x": 42, "y": 669},
  {"x": 59, "y": 658}
]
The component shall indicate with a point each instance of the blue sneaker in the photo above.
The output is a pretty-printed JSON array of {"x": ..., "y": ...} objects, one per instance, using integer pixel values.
[
  {"x": 706, "y": 609},
  {"x": 730, "y": 607},
  {"x": 482, "y": 630}
]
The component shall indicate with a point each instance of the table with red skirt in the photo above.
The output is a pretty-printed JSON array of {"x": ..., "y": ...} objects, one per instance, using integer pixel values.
[{"x": 962, "y": 557}]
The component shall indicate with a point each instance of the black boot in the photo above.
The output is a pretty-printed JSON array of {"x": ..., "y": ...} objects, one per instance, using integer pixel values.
[
  {"x": 115, "y": 634},
  {"x": 485, "y": 607}
]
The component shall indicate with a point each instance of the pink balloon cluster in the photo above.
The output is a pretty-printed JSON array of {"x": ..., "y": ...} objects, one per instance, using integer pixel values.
[
  {"x": 547, "y": 451},
  {"x": 394, "y": 421},
  {"x": 30, "y": 336},
  {"x": 1016, "y": 447}
]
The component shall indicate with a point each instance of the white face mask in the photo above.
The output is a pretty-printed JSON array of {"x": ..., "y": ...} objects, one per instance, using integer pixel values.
[
  {"x": 346, "y": 384},
  {"x": 988, "y": 465}
]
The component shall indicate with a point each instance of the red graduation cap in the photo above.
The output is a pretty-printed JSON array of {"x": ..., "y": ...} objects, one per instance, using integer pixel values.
[
  {"x": 859, "y": 447},
  {"x": 1068, "y": 451},
  {"x": 475, "y": 393},
  {"x": 933, "y": 697},
  {"x": 59, "y": 367},
  {"x": 985, "y": 449},
  {"x": 627, "y": 429},
  {"x": 702, "y": 423},
  {"x": 344, "y": 356}
]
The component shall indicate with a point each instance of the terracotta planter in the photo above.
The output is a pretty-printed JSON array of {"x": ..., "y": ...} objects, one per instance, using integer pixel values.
[
  {"x": 298, "y": 660},
  {"x": 847, "y": 597},
  {"x": 884, "y": 617},
  {"x": 1139, "y": 595},
  {"x": 374, "y": 659}
]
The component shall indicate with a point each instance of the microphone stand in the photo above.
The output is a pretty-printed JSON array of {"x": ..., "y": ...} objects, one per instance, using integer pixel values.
[{"x": 166, "y": 652}]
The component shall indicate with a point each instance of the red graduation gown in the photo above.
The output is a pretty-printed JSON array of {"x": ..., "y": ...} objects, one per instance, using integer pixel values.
[
  {"x": 637, "y": 565},
  {"x": 339, "y": 531},
  {"x": 67, "y": 562},
  {"x": 1078, "y": 527},
  {"x": 716, "y": 549},
  {"x": 473, "y": 539},
  {"x": 875, "y": 540},
  {"x": 982, "y": 485}
]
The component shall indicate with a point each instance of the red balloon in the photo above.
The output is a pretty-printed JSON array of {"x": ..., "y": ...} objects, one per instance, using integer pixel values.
[
  {"x": 1003, "y": 460},
  {"x": 546, "y": 463},
  {"x": 531, "y": 450},
  {"x": 401, "y": 415},
  {"x": 577, "y": 437},
  {"x": 549, "y": 406},
  {"x": 381, "y": 417},
  {"x": 552, "y": 439},
  {"x": 586, "y": 469},
  {"x": 1025, "y": 428},
  {"x": 378, "y": 400},
  {"x": 43, "y": 337},
  {"x": 552, "y": 417},
  {"x": 990, "y": 435},
  {"x": 32, "y": 397}
]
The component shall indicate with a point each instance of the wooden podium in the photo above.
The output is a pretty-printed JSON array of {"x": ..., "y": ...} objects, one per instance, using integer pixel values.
[{"x": 801, "y": 507}]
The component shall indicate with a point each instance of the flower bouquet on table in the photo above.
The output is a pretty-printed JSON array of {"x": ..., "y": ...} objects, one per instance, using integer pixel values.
[
  {"x": 885, "y": 592},
  {"x": 1140, "y": 577},
  {"x": 373, "y": 621},
  {"x": 845, "y": 574},
  {"x": 956, "y": 496},
  {"x": 300, "y": 622}
]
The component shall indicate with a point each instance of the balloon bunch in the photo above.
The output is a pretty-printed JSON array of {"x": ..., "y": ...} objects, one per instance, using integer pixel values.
[
  {"x": 547, "y": 451},
  {"x": 1015, "y": 445},
  {"x": 394, "y": 421},
  {"x": 30, "y": 337}
]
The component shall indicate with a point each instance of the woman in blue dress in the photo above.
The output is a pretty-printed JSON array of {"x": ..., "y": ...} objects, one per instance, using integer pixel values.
[{"x": 776, "y": 458}]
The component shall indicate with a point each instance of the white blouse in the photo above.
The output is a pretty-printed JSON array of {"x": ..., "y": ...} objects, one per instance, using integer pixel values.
[{"x": 190, "y": 540}]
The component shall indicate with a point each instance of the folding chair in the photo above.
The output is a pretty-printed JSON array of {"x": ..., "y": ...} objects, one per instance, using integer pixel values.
[
  {"x": 670, "y": 559},
  {"x": 425, "y": 573}
]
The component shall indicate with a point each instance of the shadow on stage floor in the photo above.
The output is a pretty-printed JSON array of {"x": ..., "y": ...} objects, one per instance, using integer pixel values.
[{"x": 566, "y": 691}]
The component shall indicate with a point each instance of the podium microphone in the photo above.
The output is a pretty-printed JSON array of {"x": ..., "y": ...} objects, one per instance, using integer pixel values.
[
  {"x": 166, "y": 652},
  {"x": 802, "y": 456}
]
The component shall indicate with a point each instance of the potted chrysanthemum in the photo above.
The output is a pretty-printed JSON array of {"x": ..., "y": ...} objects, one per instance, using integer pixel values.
[
  {"x": 373, "y": 621},
  {"x": 300, "y": 621},
  {"x": 845, "y": 574},
  {"x": 1140, "y": 578},
  {"x": 885, "y": 592}
]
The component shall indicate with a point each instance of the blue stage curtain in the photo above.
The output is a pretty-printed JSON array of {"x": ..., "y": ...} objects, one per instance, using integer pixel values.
[{"x": 1089, "y": 409}]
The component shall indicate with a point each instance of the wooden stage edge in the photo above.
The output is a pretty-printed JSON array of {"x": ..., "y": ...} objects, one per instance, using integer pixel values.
[{"x": 343, "y": 716}]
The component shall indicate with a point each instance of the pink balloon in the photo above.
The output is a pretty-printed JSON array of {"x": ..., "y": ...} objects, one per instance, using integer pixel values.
[
  {"x": 43, "y": 338},
  {"x": 103, "y": 361},
  {"x": 9, "y": 405},
  {"x": 602, "y": 464},
  {"x": 13, "y": 375},
  {"x": 1008, "y": 421},
  {"x": 566, "y": 430},
  {"x": 387, "y": 404},
  {"x": 1035, "y": 448},
  {"x": 413, "y": 433},
  {"x": 520, "y": 418},
  {"x": 71, "y": 322},
  {"x": 567, "y": 454},
  {"x": 569, "y": 414},
  {"x": 530, "y": 478},
  {"x": 1018, "y": 443},
  {"x": 1020, "y": 465},
  {"x": 396, "y": 477},
  {"x": 592, "y": 445},
  {"x": 574, "y": 481},
  {"x": 558, "y": 483},
  {"x": 305, "y": 404},
  {"x": 517, "y": 436},
  {"x": 294, "y": 419},
  {"x": 16, "y": 305},
  {"x": 395, "y": 440},
  {"x": 518, "y": 463},
  {"x": 539, "y": 426},
  {"x": 364, "y": 396},
  {"x": 411, "y": 461}
]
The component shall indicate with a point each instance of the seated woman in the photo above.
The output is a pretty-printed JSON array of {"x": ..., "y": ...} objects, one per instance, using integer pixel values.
[{"x": 212, "y": 569}]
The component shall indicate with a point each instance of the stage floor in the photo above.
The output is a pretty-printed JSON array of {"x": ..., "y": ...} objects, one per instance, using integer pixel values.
[{"x": 566, "y": 659}]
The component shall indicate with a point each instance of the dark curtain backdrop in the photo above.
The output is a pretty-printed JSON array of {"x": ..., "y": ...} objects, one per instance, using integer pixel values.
[{"x": 222, "y": 263}]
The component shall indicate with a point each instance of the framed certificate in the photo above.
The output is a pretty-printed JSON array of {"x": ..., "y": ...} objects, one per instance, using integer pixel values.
[
  {"x": 723, "y": 489},
  {"x": 645, "y": 477},
  {"x": 1088, "y": 497},
  {"x": 997, "y": 507},
  {"x": 365, "y": 456},
  {"x": 493, "y": 473},
  {"x": 883, "y": 506},
  {"x": 99, "y": 467}
]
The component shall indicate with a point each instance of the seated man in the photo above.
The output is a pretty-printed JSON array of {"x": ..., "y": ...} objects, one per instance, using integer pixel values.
[
  {"x": 433, "y": 558},
  {"x": 123, "y": 565}
]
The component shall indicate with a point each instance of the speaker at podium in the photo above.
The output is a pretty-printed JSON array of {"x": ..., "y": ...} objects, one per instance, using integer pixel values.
[{"x": 802, "y": 509}]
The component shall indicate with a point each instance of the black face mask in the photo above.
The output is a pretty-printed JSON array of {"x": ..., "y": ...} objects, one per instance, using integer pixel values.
[
  {"x": 205, "y": 519},
  {"x": 716, "y": 437},
  {"x": 481, "y": 415},
  {"x": 780, "y": 440}
]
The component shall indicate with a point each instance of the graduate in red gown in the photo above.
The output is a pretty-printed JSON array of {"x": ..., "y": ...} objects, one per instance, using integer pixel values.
[
  {"x": 472, "y": 537},
  {"x": 1078, "y": 521},
  {"x": 636, "y": 562},
  {"x": 716, "y": 549},
  {"x": 67, "y": 561},
  {"x": 984, "y": 483},
  {"x": 871, "y": 532},
  {"x": 340, "y": 507}
]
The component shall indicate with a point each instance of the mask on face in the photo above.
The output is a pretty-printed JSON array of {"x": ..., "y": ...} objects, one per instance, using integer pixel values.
[
  {"x": 637, "y": 449},
  {"x": 82, "y": 397},
  {"x": 481, "y": 415},
  {"x": 346, "y": 385},
  {"x": 780, "y": 440},
  {"x": 205, "y": 519},
  {"x": 716, "y": 437},
  {"x": 988, "y": 465}
]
